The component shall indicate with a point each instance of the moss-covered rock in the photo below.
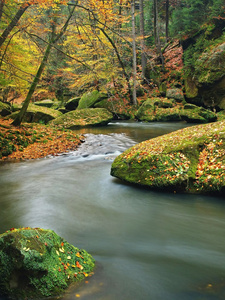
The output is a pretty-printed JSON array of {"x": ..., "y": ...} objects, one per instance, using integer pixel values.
[
  {"x": 89, "y": 99},
  {"x": 158, "y": 109},
  {"x": 72, "y": 104},
  {"x": 37, "y": 263},
  {"x": 83, "y": 118},
  {"x": 46, "y": 103},
  {"x": 210, "y": 67},
  {"x": 37, "y": 114},
  {"x": 190, "y": 160},
  {"x": 176, "y": 94},
  {"x": 195, "y": 114},
  {"x": 165, "y": 110},
  {"x": 204, "y": 72},
  {"x": 5, "y": 109}
]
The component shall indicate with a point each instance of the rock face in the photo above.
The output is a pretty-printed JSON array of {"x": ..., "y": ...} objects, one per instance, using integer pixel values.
[
  {"x": 37, "y": 263},
  {"x": 83, "y": 117},
  {"x": 206, "y": 84},
  {"x": 190, "y": 160},
  {"x": 38, "y": 114}
]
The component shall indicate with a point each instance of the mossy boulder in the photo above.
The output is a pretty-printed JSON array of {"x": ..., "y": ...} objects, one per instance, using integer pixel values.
[
  {"x": 83, "y": 118},
  {"x": 72, "y": 104},
  {"x": 37, "y": 263},
  {"x": 158, "y": 109},
  {"x": 5, "y": 109},
  {"x": 46, "y": 103},
  {"x": 176, "y": 94},
  {"x": 37, "y": 114},
  {"x": 89, "y": 99},
  {"x": 195, "y": 114},
  {"x": 190, "y": 160}
]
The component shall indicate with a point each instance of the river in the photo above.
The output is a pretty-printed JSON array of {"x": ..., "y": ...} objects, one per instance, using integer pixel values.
[{"x": 148, "y": 245}]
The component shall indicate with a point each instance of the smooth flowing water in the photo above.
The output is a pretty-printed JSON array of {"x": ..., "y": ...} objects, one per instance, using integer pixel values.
[{"x": 147, "y": 245}]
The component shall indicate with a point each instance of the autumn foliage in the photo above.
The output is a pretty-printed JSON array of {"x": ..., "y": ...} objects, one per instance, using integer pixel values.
[{"x": 33, "y": 141}]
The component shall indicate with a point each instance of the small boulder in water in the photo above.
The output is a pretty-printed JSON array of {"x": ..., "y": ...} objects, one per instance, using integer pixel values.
[{"x": 37, "y": 263}]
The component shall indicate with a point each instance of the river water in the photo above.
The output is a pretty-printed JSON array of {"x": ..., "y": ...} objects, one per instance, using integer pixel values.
[{"x": 147, "y": 245}]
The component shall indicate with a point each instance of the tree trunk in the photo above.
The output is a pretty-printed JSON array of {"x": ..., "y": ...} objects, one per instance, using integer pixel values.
[
  {"x": 167, "y": 21},
  {"x": 142, "y": 33},
  {"x": 54, "y": 38},
  {"x": 13, "y": 23},
  {"x": 134, "y": 53},
  {"x": 155, "y": 20},
  {"x": 18, "y": 120},
  {"x": 156, "y": 33},
  {"x": 2, "y": 3},
  {"x": 120, "y": 62}
]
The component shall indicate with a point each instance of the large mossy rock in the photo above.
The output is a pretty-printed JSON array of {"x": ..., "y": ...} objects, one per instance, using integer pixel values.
[
  {"x": 89, "y": 99},
  {"x": 165, "y": 110},
  {"x": 195, "y": 114},
  {"x": 37, "y": 114},
  {"x": 5, "y": 109},
  {"x": 176, "y": 94},
  {"x": 46, "y": 103},
  {"x": 83, "y": 117},
  {"x": 158, "y": 109},
  {"x": 37, "y": 263},
  {"x": 190, "y": 160},
  {"x": 72, "y": 104}
]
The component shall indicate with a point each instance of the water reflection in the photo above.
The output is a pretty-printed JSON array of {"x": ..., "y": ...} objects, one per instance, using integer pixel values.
[{"x": 148, "y": 245}]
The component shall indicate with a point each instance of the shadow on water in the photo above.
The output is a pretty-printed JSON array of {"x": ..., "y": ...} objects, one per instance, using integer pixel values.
[{"x": 147, "y": 244}]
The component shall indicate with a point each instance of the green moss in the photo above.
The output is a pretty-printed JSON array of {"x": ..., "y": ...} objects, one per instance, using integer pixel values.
[
  {"x": 89, "y": 99},
  {"x": 37, "y": 113},
  {"x": 83, "y": 117},
  {"x": 189, "y": 160},
  {"x": 37, "y": 263}
]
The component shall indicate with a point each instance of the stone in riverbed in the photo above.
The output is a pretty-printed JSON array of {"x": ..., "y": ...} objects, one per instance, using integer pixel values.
[
  {"x": 190, "y": 160},
  {"x": 37, "y": 263}
]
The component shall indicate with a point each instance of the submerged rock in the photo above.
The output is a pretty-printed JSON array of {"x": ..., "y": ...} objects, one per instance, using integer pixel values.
[
  {"x": 190, "y": 160},
  {"x": 37, "y": 263},
  {"x": 83, "y": 118}
]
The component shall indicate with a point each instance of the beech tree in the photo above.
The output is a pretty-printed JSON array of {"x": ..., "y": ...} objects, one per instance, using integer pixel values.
[{"x": 54, "y": 37}]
